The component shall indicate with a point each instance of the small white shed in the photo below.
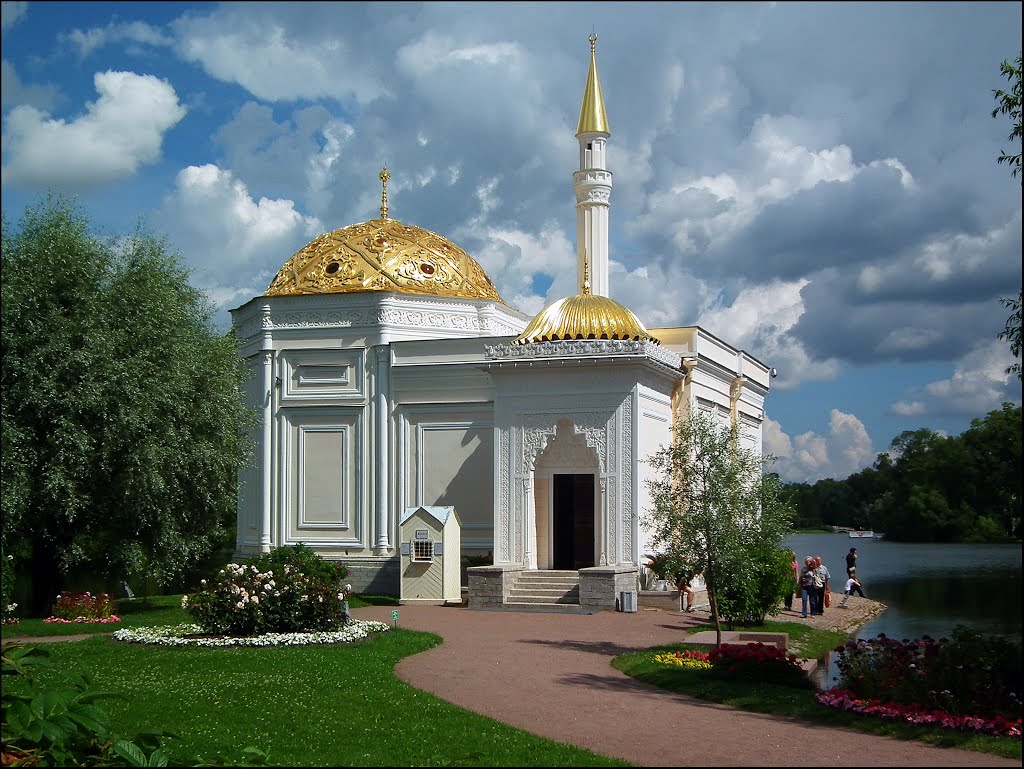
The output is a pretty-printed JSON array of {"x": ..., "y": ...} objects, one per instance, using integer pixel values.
[{"x": 431, "y": 547}]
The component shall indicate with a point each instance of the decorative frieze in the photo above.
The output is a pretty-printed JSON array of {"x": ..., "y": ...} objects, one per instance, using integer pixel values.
[
  {"x": 584, "y": 348},
  {"x": 484, "y": 319}
]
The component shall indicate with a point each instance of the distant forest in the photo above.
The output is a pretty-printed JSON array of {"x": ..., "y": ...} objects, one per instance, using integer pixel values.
[{"x": 929, "y": 488}]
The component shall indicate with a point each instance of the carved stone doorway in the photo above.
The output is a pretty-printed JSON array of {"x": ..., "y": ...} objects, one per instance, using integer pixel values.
[{"x": 572, "y": 516}]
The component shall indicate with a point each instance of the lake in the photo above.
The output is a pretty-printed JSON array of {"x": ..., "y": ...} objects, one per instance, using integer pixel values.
[{"x": 927, "y": 588}]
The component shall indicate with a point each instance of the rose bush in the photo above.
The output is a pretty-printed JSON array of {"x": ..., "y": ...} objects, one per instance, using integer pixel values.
[
  {"x": 288, "y": 590},
  {"x": 758, "y": 662}
]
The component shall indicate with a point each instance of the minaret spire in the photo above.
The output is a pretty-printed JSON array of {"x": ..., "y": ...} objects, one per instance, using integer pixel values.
[
  {"x": 592, "y": 184},
  {"x": 592, "y": 117}
]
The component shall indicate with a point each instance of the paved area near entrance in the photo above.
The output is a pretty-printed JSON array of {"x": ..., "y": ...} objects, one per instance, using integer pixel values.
[{"x": 551, "y": 674}]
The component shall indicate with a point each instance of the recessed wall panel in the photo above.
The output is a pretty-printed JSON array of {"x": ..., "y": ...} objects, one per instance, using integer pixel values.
[{"x": 323, "y": 460}]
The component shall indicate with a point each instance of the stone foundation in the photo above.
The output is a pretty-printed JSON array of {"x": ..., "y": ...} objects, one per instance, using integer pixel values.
[
  {"x": 601, "y": 586},
  {"x": 488, "y": 585}
]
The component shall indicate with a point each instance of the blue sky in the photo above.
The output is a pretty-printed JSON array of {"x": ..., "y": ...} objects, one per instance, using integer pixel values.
[{"x": 815, "y": 183}]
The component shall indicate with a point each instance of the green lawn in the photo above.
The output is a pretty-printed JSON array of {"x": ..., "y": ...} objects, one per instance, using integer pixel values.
[
  {"x": 798, "y": 703},
  {"x": 337, "y": 705}
]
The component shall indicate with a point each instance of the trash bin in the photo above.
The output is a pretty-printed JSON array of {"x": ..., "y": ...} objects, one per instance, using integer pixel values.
[{"x": 627, "y": 600}]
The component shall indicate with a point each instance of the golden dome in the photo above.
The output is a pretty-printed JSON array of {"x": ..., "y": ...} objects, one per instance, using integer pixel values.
[
  {"x": 383, "y": 255},
  {"x": 584, "y": 316}
]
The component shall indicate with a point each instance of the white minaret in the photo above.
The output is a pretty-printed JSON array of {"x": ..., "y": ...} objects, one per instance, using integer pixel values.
[{"x": 593, "y": 185}]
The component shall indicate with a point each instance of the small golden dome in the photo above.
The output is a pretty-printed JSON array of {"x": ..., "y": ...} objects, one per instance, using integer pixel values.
[
  {"x": 383, "y": 255},
  {"x": 584, "y": 316}
]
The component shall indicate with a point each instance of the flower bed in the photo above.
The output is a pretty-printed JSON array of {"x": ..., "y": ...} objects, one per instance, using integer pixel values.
[
  {"x": 842, "y": 699},
  {"x": 694, "y": 660},
  {"x": 73, "y": 608},
  {"x": 968, "y": 675},
  {"x": 758, "y": 662},
  {"x": 194, "y": 635}
]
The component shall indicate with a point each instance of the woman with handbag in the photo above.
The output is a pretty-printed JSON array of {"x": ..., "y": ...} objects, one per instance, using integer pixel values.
[{"x": 822, "y": 583}]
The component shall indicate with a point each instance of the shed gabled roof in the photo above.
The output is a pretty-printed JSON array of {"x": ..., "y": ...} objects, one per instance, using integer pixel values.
[{"x": 440, "y": 514}]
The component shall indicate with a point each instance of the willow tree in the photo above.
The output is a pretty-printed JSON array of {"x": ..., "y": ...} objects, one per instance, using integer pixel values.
[
  {"x": 1009, "y": 104},
  {"x": 718, "y": 511},
  {"x": 122, "y": 411}
]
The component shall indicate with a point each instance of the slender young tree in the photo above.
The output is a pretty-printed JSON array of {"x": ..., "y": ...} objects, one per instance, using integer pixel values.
[
  {"x": 1009, "y": 103},
  {"x": 715, "y": 508},
  {"x": 122, "y": 410}
]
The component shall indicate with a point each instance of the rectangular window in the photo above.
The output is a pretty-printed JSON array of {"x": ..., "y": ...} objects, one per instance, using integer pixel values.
[{"x": 423, "y": 552}]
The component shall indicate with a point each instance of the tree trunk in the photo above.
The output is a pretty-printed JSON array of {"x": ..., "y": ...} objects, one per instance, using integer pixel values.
[{"x": 713, "y": 605}]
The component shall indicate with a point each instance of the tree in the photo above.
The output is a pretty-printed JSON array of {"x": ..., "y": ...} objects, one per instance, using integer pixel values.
[
  {"x": 122, "y": 409},
  {"x": 1009, "y": 104},
  {"x": 715, "y": 509}
]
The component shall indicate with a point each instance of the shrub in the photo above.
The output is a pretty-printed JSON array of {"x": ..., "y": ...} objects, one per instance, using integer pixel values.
[
  {"x": 84, "y": 607},
  {"x": 302, "y": 558},
  {"x": 758, "y": 662},
  {"x": 288, "y": 590},
  {"x": 968, "y": 675},
  {"x": 752, "y": 585}
]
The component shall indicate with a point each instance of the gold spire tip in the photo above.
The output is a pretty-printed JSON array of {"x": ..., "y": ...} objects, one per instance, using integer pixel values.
[
  {"x": 593, "y": 41},
  {"x": 384, "y": 176},
  {"x": 586, "y": 273}
]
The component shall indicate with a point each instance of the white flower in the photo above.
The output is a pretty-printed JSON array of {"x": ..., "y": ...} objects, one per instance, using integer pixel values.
[
  {"x": 175, "y": 635},
  {"x": 255, "y": 599},
  {"x": 348, "y": 588},
  {"x": 184, "y": 602}
]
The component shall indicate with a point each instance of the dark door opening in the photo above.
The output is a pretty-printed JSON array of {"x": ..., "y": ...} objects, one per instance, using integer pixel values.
[{"x": 573, "y": 521}]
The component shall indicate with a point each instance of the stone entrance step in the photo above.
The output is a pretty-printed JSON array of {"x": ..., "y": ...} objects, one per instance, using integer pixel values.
[{"x": 545, "y": 590}]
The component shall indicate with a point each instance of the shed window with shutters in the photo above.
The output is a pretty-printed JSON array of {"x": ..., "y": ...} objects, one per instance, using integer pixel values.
[{"x": 422, "y": 551}]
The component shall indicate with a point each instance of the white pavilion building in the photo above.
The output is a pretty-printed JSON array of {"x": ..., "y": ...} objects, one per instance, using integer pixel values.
[{"x": 390, "y": 375}]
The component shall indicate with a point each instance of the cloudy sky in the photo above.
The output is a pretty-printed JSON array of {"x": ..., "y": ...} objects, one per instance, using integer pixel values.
[{"x": 814, "y": 183}]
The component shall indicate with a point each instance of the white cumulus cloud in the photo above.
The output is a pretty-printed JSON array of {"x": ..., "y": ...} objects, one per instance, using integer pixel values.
[
  {"x": 808, "y": 457},
  {"x": 235, "y": 243},
  {"x": 119, "y": 132}
]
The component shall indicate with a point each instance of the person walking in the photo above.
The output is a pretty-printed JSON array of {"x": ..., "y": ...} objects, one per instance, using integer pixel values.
[
  {"x": 807, "y": 587},
  {"x": 851, "y": 563},
  {"x": 822, "y": 584},
  {"x": 794, "y": 575}
]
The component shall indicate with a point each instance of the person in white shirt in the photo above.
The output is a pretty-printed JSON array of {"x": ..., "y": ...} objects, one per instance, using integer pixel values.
[{"x": 852, "y": 586}]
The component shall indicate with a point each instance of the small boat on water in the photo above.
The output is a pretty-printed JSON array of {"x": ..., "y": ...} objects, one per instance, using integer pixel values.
[{"x": 862, "y": 534}]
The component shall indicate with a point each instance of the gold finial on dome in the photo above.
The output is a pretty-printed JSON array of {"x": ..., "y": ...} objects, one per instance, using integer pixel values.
[
  {"x": 593, "y": 41},
  {"x": 384, "y": 176},
  {"x": 586, "y": 265}
]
